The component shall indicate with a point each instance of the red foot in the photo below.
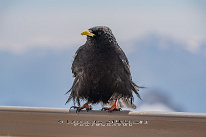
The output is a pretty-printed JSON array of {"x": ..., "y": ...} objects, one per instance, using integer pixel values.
[
  {"x": 86, "y": 106},
  {"x": 112, "y": 108}
]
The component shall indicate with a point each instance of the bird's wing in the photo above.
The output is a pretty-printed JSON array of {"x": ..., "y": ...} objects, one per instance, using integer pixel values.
[
  {"x": 77, "y": 69},
  {"x": 123, "y": 59},
  {"x": 125, "y": 62},
  {"x": 77, "y": 63}
]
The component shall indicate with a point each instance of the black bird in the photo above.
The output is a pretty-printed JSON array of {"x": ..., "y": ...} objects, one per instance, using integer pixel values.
[{"x": 101, "y": 71}]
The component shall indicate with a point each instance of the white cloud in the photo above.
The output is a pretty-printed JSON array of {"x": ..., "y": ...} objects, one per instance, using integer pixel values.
[{"x": 26, "y": 27}]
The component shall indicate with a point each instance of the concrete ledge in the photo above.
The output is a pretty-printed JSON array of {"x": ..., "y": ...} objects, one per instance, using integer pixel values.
[{"x": 21, "y": 121}]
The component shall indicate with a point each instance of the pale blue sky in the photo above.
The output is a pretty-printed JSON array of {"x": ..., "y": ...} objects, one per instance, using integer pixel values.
[{"x": 164, "y": 40}]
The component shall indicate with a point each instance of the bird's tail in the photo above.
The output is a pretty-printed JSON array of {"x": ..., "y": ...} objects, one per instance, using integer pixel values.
[{"x": 135, "y": 88}]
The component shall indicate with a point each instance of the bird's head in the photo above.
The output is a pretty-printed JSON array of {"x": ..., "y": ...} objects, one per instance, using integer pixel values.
[{"x": 99, "y": 33}]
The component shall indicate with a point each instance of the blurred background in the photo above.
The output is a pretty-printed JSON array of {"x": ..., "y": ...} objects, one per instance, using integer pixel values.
[{"x": 164, "y": 40}]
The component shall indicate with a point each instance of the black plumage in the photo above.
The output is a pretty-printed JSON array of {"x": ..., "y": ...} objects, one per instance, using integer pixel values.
[{"x": 101, "y": 70}]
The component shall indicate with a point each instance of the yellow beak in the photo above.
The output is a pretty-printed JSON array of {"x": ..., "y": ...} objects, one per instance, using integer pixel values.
[{"x": 88, "y": 33}]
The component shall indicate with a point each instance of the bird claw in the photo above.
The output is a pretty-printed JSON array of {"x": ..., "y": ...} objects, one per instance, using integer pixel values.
[
  {"x": 88, "y": 108},
  {"x": 74, "y": 107}
]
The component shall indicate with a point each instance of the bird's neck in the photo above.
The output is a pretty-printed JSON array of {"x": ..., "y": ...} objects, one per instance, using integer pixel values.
[{"x": 101, "y": 44}]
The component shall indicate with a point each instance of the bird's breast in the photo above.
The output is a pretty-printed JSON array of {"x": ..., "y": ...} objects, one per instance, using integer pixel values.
[{"x": 100, "y": 62}]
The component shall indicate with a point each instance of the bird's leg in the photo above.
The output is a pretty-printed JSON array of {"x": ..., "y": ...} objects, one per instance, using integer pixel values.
[
  {"x": 86, "y": 106},
  {"x": 113, "y": 107}
]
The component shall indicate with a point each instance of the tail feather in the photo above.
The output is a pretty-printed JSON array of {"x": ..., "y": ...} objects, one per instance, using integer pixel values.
[
  {"x": 75, "y": 90},
  {"x": 70, "y": 97},
  {"x": 72, "y": 90},
  {"x": 74, "y": 84},
  {"x": 135, "y": 88},
  {"x": 68, "y": 91}
]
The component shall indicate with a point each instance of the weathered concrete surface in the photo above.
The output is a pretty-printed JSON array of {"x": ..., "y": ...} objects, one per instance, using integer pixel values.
[{"x": 45, "y": 122}]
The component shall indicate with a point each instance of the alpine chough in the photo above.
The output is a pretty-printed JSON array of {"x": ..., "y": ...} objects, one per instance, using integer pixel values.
[{"x": 101, "y": 71}]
